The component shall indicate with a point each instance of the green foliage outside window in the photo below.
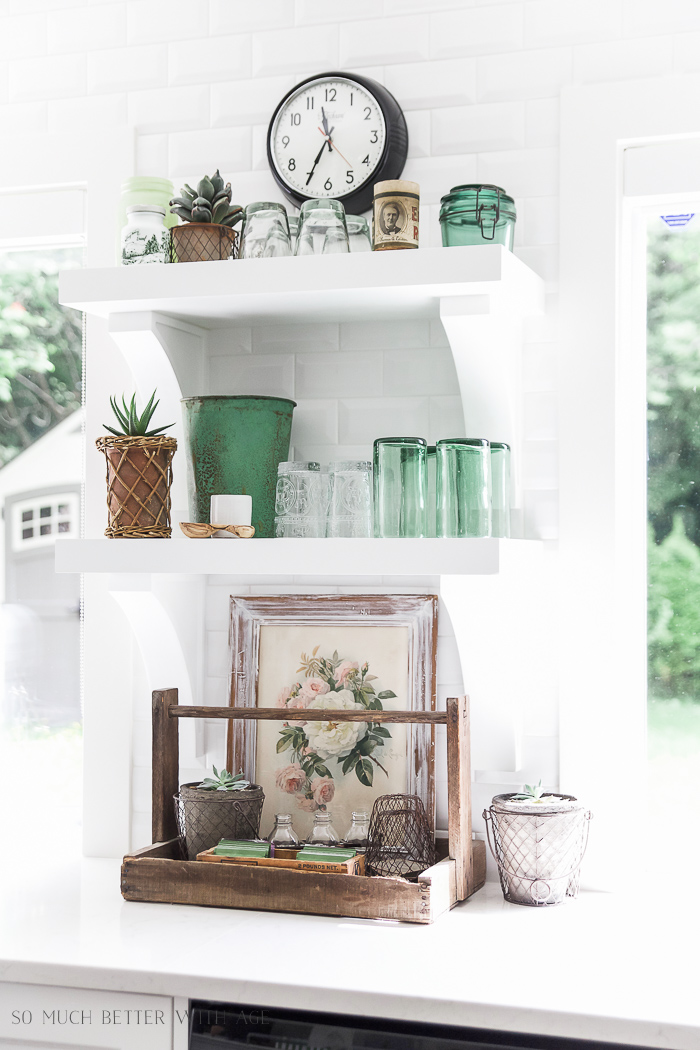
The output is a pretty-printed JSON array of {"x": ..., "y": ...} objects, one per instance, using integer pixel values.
[
  {"x": 40, "y": 348},
  {"x": 673, "y": 362}
]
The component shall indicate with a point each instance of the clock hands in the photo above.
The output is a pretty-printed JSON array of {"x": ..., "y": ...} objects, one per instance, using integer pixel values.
[
  {"x": 327, "y": 135},
  {"x": 318, "y": 157}
]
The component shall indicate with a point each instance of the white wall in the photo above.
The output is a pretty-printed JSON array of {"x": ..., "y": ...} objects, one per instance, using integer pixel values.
[{"x": 480, "y": 84}]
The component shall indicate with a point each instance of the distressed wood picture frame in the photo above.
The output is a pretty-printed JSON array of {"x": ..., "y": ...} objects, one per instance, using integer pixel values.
[{"x": 363, "y": 640}]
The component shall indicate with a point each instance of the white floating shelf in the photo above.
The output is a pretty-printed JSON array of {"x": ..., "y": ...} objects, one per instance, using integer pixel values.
[
  {"x": 368, "y": 557},
  {"x": 363, "y": 286}
]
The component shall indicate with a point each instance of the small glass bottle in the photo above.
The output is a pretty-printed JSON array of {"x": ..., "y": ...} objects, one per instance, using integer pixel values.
[
  {"x": 323, "y": 833},
  {"x": 358, "y": 832},
  {"x": 283, "y": 834}
]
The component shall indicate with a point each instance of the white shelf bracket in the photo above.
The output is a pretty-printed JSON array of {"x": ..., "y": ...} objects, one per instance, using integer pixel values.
[
  {"x": 486, "y": 341},
  {"x": 169, "y": 356}
]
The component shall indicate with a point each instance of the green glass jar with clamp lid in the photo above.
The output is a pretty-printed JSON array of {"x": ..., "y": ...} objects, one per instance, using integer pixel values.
[{"x": 477, "y": 214}]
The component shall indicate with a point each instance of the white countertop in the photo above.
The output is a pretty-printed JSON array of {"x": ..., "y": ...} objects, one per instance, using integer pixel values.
[{"x": 605, "y": 967}]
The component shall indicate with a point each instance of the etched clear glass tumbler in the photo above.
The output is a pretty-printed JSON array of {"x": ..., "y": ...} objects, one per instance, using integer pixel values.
[
  {"x": 463, "y": 487},
  {"x": 322, "y": 229},
  {"x": 350, "y": 507},
  {"x": 300, "y": 501},
  {"x": 400, "y": 486},
  {"x": 265, "y": 231},
  {"x": 358, "y": 233},
  {"x": 500, "y": 489}
]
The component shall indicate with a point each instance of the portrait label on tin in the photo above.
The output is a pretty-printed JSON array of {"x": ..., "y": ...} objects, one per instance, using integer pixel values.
[{"x": 392, "y": 219}]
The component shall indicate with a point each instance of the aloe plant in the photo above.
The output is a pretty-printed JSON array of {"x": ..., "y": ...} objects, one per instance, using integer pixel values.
[
  {"x": 210, "y": 202},
  {"x": 224, "y": 781},
  {"x": 131, "y": 423}
]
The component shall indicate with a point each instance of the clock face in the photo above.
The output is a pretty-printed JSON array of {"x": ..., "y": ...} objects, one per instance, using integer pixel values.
[{"x": 327, "y": 138}]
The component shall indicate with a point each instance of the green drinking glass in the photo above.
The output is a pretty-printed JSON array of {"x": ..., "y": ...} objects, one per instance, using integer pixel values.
[
  {"x": 400, "y": 486},
  {"x": 500, "y": 489},
  {"x": 463, "y": 487}
]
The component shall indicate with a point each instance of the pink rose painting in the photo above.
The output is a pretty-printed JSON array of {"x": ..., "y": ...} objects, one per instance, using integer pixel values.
[{"x": 324, "y": 752}]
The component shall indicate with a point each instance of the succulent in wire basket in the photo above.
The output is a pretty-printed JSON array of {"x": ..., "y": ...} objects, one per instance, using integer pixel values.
[
  {"x": 131, "y": 423},
  {"x": 210, "y": 202},
  {"x": 224, "y": 781}
]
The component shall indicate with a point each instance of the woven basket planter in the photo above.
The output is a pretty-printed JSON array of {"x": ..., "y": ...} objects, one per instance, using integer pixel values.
[
  {"x": 139, "y": 476},
  {"x": 206, "y": 817},
  {"x": 538, "y": 848},
  {"x": 202, "y": 242}
]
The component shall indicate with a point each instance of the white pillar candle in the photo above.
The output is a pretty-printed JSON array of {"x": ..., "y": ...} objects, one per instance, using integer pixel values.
[{"x": 230, "y": 510}]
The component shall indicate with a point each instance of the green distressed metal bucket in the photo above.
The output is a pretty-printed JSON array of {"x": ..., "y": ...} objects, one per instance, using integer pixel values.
[{"x": 234, "y": 445}]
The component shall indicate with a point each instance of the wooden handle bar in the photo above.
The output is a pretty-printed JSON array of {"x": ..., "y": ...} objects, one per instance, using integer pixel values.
[{"x": 287, "y": 714}]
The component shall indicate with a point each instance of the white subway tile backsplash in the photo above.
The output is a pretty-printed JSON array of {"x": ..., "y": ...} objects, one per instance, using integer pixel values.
[
  {"x": 385, "y": 41},
  {"x": 210, "y": 59},
  {"x": 438, "y": 335},
  {"x": 325, "y": 454},
  {"x": 247, "y": 101},
  {"x": 22, "y": 35},
  {"x": 308, "y": 51},
  {"x": 686, "y": 53},
  {"x": 523, "y": 75},
  {"x": 541, "y": 224},
  {"x": 86, "y": 28},
  {"x": 523, "y": 173},
  {"x": 151, "y": 20},
  {"x": 217, "y": 660},
  {"x": 303, "y": 338},
  {"x": 361, "y": 420},
  {"x": 418, "y": 124},
  {"x": 415, "y": 372},
  {"x": 540, "y": 416},
  {"x": 223, "y": 341},
  {"x": 357, "y": 374},
  {"x": 127, "y": 68},
  {"x": 315, "y": 422},
  {"x": 48, "y": 77},
  {"x": 540, "y": 464},
  {"x": 623, "y": 59},
  {"x": 228, "y": 17},
  {"x": 197, "y": 151},
  {"x": 476, "y": 31},
  {"x": 383, "y": 335},
  {"x": 151, "y": 154},
  {"x": 169, "y": 109},
  {"x": 480, "y": 128},
  {"x": 22, "y": 118},
  {"x": 549, "y": 23},
  {"x": 542, "y": 122},
  {"x": 649, "y": 17},
  {"x": 428, "y": 85},
  {"x": 89, "y": 114},
  {"x": 251, "y": 374},
  {"x": 446, "y": 418},
  {"x": 310, "y": 12},
  {"x": 436, "y": 175},
  {"x": 544, "y": 260}
]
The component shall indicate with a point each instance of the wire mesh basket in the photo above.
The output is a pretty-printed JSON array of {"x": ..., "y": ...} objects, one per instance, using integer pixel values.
[
  {"x": 538, "y": 848},
  {"x": 400, "y": 840},
  {"x": 202, "y": 242},
  {"x": 206, "y": 817}
]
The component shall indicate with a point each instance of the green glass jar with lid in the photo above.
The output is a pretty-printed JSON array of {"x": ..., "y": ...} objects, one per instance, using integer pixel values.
[{"x": 477, "y": 213}]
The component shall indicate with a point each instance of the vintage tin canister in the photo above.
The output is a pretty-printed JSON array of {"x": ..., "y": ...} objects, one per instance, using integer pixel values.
[{"x": 395, "y": 211}]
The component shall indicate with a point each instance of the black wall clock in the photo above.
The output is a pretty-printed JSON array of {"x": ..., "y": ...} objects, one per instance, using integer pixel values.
[{"x": 335, "y": 135}]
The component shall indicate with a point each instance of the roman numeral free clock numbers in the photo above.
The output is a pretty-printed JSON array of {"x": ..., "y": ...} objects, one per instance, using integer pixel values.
[{"x": 335, "y": 135}]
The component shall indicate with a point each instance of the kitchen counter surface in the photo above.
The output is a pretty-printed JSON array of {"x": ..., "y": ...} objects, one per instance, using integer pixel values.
[{"x": 607, "y": 967}]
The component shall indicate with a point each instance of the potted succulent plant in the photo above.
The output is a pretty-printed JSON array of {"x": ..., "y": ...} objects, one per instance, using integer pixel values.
[
  {"x": 539, "y": 839},
  {"x": 220, "y": 807},
  {"x": 209, "y": 218},
  {"x": 139, "y": 472}
]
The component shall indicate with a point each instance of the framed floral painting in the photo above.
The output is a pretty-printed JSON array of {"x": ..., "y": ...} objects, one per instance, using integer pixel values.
[{"x": 352, "y": 652}]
